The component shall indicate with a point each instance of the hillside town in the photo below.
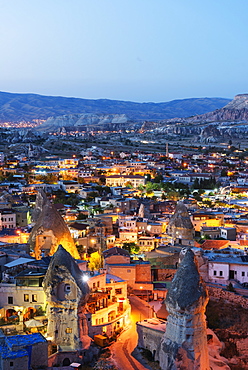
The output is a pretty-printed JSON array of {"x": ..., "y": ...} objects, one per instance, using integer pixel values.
[
  {"x": 85, "y": 236},
  {"x": 123, "y": 185}
]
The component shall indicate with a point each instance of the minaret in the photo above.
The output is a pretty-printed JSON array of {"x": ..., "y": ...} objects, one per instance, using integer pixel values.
[
  {"x": 167, "y": 150},
  {"x": 184, "y": 344}
]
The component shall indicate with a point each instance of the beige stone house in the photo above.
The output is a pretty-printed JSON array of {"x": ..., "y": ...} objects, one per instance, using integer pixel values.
[
  {"x": 108, "y": 309},
  {"x": 137, "y": 273},
  {"x": 123, "y": 180}
]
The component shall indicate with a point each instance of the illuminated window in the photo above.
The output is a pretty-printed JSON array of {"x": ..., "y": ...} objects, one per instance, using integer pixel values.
[
  {"x": 68, "y": 330},
  {"x": 34, "y": 297},
  {"x": 26, "y": 297}
]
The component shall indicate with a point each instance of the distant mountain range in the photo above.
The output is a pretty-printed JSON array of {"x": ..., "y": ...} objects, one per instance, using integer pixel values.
[
  {"x": 29, "y": 107},
  {"x": 229, "y": 122}
]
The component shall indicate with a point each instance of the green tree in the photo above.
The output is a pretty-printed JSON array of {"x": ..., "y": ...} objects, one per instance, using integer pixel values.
[
  {"x": 81, "y": 216},
  {"x": 158, "y": 178},
  {"x": 131, "y": 247}
]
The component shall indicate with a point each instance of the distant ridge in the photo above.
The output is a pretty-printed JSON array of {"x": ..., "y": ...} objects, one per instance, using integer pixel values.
[
  {"x": 235, "y": 111},
  {"x": 28, "y": 107}
]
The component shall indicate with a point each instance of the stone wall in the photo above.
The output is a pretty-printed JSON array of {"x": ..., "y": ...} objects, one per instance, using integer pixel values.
[
  {"x": 165, "y": 274},
  {"x": 143, "y": 273},
  {"x": 217, "y": 293},
  {"x": 56, "y": 360},
  {"x": 242, "y": 347},
  {"x": 18, "y": 363},
  {"x": 117, "y": 259},
  {"x": 163, "y": 260},
  {"x": 149, "y": 338},
  {"x": 39, "y": 354}
]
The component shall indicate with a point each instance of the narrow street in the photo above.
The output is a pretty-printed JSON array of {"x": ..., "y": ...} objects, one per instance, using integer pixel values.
[{"x": 122, "y": 349}]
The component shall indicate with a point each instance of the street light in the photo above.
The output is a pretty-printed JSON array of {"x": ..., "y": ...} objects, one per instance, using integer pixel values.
[{"x": 85, "y": 277}]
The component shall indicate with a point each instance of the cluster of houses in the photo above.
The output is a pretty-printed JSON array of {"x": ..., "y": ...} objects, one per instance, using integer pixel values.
[{"x": 115, "y": 241}]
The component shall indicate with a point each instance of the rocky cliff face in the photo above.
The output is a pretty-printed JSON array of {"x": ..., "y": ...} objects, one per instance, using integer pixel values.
[
  {"x": 66, "y": 294},
  {"x": 236, "y": 110},
  {"x": 184, "y": 345},
  {"x": 239, "y": 102},
  {"x": 49, "y": 230},
  {"x": 180, "y": 225},
  {"x": 81, "y": 120},
  {"x": 231, "y": 121}
]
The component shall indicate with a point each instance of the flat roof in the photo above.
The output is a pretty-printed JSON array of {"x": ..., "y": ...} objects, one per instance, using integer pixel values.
[{"x": 19, "y": 261}]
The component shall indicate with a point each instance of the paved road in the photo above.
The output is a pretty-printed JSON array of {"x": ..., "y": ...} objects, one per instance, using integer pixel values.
[{"x": 127, "y": 341}]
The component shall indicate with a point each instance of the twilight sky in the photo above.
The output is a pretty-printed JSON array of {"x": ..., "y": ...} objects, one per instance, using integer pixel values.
[{"x": 138, "y": 50}]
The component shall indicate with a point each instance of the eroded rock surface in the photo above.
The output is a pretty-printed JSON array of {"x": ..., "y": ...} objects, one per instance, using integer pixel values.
[
  {"x": 184, "y": 344},
  {"x": 180, "y": 225},
  {"x": 66, "y": 295},
  {"x": 49, "y": 230}
]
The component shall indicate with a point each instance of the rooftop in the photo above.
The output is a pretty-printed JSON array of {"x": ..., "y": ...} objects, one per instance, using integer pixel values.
[{"x": 6, "y": 349}]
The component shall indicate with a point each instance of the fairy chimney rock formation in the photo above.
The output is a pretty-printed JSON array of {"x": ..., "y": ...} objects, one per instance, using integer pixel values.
[
  {"x": 184, "y": 344},
  {"x": 141, "y": 212},
  {"x": 49, "y": 230},
  {"x": 180, "y": 226},
  {"x": 66, "y": 294}
]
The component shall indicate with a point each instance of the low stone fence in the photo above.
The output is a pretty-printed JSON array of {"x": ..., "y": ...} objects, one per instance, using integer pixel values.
[
  {"x": 166, "y": 274},
  {"x": 229, "y": 296}
]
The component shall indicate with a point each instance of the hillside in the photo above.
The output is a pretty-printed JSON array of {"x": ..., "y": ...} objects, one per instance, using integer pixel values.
[
  {"x": 229, "y": 122},
  {"x": 27, "y": 107},
  {"x": 234, "y": 111}
]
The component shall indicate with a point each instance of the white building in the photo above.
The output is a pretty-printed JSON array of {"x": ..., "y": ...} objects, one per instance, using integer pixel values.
[
  {"x": 8, "y": 220},
  {"x": 226, "y": 267}
]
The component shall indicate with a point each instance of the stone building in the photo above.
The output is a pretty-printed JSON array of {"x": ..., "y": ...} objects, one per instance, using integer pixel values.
[
  {"x": 23, "y": 352},
  {"x": 66, "y": 294},
  {"x": 49, "y": 230},
  {"x": 185, "y": 340},
  {"x": 180, "y": 227},
  {"x": 108, "y": 308},
  {"x": 137, "y": 273},
  {"x": 122, "y": 180}
]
